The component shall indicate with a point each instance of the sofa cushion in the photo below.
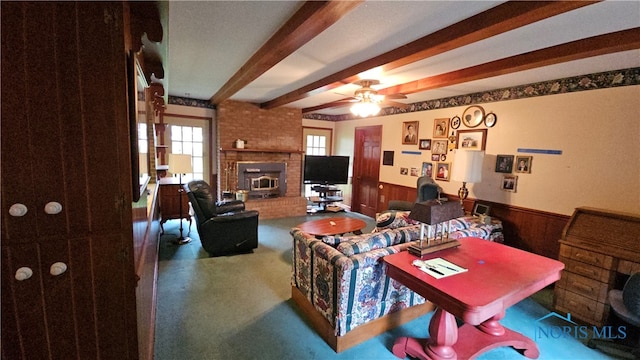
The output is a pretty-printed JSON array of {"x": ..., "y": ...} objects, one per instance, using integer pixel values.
[
  {"x": 392, "y": 219},
  {"x": 461, "y": 223},
  {"x": 363, "y": 243}
]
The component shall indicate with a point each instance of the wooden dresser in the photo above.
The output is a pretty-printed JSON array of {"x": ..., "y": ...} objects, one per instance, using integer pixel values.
[
  {"x": 170, "y": 200},
  {"x": 598, "y": 247}
]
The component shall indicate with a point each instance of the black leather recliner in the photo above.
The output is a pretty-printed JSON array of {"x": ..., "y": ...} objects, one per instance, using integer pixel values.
[{"x": 224, "y": 227}]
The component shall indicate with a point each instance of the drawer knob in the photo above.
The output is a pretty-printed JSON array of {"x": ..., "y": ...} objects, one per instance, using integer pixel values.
[
  {"x": 17, "y": 210},
  {"x": 23, "y": 273},
  {"x": 58, "y": 268},
  {"x": 53, "y": 208}
]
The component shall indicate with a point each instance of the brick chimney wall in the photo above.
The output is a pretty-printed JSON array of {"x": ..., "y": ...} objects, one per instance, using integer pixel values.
[{"x": 275, "y": 135}]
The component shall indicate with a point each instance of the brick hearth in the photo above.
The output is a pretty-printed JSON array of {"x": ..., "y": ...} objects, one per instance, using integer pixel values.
[{"x": 271, "y": 136}]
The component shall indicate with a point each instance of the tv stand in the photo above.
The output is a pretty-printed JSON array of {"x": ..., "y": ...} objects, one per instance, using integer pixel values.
[{"x": 326, "y": 195}]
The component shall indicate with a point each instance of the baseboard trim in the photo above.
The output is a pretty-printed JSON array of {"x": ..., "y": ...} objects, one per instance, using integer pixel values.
[{"x": 361, "y": 333}]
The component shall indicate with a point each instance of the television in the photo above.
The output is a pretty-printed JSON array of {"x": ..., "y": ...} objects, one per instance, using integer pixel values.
[{"x": 326, "y": 170}]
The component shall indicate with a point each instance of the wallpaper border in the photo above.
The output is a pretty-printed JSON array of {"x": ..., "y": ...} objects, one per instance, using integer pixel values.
[{"x": 596, "y": 81}]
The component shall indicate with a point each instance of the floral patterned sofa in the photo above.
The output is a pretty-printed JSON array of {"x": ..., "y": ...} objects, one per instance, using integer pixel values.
[
  {"x": 341, "y": 285},
  {"x": 465, "y": 226}
]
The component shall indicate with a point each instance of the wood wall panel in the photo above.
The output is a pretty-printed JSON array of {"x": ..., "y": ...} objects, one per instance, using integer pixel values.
[
  {"x": 527, "y": 229},
  {"x": 65, "y": 138}
]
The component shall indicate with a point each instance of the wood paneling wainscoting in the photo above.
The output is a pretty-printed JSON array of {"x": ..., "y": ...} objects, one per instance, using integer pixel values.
[
  {"x": 146, "y": 239},
  {"x": 527, "y": 229}
]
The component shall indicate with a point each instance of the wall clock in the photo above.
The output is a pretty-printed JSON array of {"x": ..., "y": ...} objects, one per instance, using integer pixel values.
[{"x": 473, "y": 116}]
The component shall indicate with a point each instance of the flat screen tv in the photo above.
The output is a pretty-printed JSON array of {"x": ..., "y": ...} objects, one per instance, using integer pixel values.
[{"x": 326, "y": 170}]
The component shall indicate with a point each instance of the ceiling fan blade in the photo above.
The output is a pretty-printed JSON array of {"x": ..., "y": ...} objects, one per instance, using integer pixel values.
[
  {"x": 396, "y": 96},
  {"x": 395, "y": 104},
  {"x": 333, "y": 104}
]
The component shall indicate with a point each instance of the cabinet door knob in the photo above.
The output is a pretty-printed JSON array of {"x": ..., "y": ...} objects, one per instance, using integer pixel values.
[
  {"x": 58, "y": 268},
  {"x": 17, "y": 210},
  {"x": 53, "y": 208},
  {"x": 23, "y": 273}
]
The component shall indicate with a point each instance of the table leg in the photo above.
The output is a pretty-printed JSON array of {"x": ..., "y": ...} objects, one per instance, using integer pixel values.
[
  {"x": 443, "y": 330},
  {"x": 474, "y": 340},
  {"x": 493, "y": 326}
]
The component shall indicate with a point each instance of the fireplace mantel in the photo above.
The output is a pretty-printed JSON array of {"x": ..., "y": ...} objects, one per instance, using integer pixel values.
[{"x": 282, "y": 151}]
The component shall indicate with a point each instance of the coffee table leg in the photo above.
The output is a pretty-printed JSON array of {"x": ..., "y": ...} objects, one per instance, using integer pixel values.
[
  {"x": 443, "y": 331},
  {"x": 493, "y": 326}
]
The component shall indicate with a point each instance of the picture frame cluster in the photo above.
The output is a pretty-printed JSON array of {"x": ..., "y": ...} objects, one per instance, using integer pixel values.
[
  {"x": 508, "y": 164},
  {"x": 446, "y": 136}
]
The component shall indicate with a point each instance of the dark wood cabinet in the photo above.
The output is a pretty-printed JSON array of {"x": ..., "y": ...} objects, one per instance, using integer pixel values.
[
  {"x": 171, "y": 198},
  {"x": 65, "y": 139}
]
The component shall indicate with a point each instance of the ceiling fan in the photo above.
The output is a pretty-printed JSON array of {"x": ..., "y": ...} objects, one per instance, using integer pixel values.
[{"x": 367, "y": 100}]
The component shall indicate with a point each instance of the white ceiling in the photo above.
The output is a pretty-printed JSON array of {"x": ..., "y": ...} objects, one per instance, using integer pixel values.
[{"x": 209, "y": 41}]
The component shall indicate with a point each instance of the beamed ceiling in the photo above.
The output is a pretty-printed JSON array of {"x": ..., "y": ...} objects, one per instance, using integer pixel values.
[{"x": 308, "y": 55}]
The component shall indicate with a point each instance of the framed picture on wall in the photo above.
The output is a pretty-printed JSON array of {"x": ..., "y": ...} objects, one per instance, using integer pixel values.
[
  {"x": 509, "y": 183},
  {"x": 410, "y": 133},
  {"x": 435, "y": 157},
  {"x": 439, "y": 147},
  {"x": 440, "y": 128},
  {"x": 504, "y": 164},
  {"x": 425, "y": 144},
  {"x": 442, "y": 171},
  {"x": 427, "y": 169},
  {"x": 523, "y": 164},
  {"x": 471, "y": 139}
]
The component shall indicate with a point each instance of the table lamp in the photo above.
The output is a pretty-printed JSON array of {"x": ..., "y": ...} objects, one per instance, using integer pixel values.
[
  {"x": 434, "y": 215},
  {"x": 467, "y": 168},
  {"x": 180, "y": 164}
]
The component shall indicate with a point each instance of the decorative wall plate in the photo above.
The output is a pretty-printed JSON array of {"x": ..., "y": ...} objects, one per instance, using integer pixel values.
[
  {"x": 490, "y": 119},
  {"x": 455, "y": 122},
  {"x": 473, "y": 116}
]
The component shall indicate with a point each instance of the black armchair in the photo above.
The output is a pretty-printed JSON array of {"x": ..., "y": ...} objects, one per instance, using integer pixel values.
[{"x": 224, "y": 227}]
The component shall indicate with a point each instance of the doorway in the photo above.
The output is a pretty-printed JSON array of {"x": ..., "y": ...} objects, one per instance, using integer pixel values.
[{"x": 366, "y": 169}]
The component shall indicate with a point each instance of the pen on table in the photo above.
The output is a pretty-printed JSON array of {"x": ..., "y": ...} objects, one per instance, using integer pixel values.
[
  {"x": 450, "y": 268},
  {"x": 434, "y": 270}
]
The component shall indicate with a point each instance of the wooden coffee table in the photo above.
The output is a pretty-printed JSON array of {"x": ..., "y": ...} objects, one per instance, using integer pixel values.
[{"x": 333, "y": 226}]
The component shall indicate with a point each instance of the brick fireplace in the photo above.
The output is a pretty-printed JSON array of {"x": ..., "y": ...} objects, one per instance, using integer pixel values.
[{"x": 271, "y": 136}]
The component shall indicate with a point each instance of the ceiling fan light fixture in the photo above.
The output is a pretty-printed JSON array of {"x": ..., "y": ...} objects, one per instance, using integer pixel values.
[{"x": 365, "y": 108}]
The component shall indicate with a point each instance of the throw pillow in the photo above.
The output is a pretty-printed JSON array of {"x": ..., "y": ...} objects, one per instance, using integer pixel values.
[{"x": 393, "y": 219}]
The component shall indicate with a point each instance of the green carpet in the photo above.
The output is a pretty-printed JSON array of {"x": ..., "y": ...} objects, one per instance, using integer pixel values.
[{"x": 239, "y": 307}]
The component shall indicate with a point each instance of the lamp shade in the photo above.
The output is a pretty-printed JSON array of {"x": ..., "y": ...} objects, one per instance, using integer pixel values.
[
  {"x": 180, "y": 163},
  {"x": 433, "y": 212},
  {"x": 467, "y": 166}
]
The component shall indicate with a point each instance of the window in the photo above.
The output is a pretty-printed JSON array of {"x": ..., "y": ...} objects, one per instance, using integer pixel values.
[
  {"x": 317, "y": 141},
  {"x": 143, "y": 141},
  {"x": 316, "y": 145},
  {"x": 189, "y": 140}
]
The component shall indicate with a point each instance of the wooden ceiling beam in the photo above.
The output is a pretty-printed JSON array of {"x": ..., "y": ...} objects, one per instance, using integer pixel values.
[
  {"x": 580, "y": 49},
  {"x": 310, "y": 20},
  {"x": 502, "y": 18}
]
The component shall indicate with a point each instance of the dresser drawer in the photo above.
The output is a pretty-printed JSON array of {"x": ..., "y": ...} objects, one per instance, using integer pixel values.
[
  {"x": 593, "y": 289},
  {"x": 586, "y": 309},
  {"x": 586, "y": 256},
  {"x": 586, "y": 270}
]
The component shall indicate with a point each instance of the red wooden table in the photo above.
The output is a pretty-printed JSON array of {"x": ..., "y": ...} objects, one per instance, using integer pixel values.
[
  {"x": 498, "y": 277},
  {"x": 333, "y": 226}
]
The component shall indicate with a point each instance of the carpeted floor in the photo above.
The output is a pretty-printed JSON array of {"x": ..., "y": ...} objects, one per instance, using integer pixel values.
[{"x": 239, "y": 307}]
